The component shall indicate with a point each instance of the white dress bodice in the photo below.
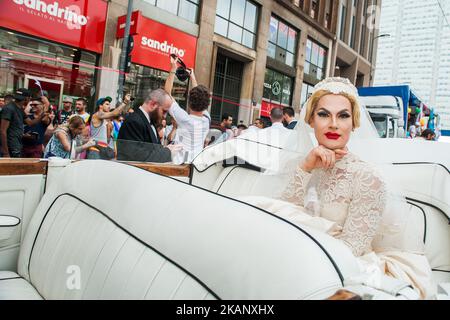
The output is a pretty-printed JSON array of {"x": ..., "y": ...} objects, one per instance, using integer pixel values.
[{"x": 352, "y": 194}]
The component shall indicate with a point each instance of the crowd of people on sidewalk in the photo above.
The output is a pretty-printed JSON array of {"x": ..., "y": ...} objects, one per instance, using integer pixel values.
[
  {"x": 415, "y": 132},
  {"x": 31, "y": 127}
]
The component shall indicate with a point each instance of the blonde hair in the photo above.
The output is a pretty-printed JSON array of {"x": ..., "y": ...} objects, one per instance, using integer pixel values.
[{"x": 313, "y": 101}]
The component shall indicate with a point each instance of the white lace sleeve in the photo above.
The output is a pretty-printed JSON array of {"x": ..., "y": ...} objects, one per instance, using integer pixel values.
[
  {"x": 365, "y": 211},
  {"x": 295, "y": 190}
]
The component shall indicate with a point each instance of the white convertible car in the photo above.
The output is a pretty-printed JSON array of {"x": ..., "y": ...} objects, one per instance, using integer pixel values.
[{"x": 99, "y": 229}]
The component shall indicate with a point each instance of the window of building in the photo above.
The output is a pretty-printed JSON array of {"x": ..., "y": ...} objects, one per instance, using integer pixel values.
[
  {"x": 277, "y": 88},
  {"x": 282, "y": 42},
  {"x": 328, "y": 9},
  {"x": 343, "y": 24},
  {"x": 187, "y": 9},
  {"x": 237, "y": 20},
  {"x": 314, "y": 9},
  {"x": 315, "y": 62},
  {"x": 353, "y": 33},
  {"x": 362, "y": 43},
  {"x": 307, "y": 90},
  {"x": 363, "y": 39},
  {"x": 370, "y": 46},
  {"x": 299, "y": 3}
]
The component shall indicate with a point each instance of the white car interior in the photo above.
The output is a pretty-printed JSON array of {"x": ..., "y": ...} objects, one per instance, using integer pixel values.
[
  {"x": 72, "y": 231},
  {"x": 78, "y": 244},
  {"x": 425, "y": 184}
]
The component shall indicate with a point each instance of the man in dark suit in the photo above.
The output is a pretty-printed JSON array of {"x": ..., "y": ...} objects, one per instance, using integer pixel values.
[
  {"x": 288, "y": 118},
  {"x": 138, "y": 139}
]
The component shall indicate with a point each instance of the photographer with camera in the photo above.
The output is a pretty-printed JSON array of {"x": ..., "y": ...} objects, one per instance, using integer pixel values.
[
  {"x": 33, "y": 137},
  {"x": 14, "y": 116},
  {"x": 193, "y": 127}
]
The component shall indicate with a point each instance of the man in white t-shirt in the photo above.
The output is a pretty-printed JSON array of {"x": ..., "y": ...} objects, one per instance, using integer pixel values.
[{"x": 192, "y": 128}]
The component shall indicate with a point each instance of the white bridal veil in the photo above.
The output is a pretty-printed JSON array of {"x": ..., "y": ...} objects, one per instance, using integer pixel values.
[
  {"x": 279, "y": 152},
  {"x": 395, "y": 231}
]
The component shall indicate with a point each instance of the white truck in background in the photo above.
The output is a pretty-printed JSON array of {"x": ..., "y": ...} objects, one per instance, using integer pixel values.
[{"x": 386, "y": 113}]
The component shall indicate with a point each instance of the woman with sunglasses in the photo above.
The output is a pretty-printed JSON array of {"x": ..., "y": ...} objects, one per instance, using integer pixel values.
[{"x": 33, "y": 138}]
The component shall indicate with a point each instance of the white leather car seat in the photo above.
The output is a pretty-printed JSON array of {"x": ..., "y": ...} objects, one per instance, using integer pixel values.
[
  {"x": 236, "y": 181},
  {"x": 111, "y": 231},
  {"x": 425, "y": 223}
]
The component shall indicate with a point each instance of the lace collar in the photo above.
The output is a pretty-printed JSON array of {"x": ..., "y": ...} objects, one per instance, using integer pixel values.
[{"x": 346, "y": 160}]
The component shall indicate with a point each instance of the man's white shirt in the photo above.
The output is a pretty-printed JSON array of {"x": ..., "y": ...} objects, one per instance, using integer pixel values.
[
  {"x": 191, "y": 132},
  {"x": 276, "y": 126}
]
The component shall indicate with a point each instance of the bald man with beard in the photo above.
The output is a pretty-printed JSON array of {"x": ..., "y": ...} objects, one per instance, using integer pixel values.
[{"x": 138, "y": 139}]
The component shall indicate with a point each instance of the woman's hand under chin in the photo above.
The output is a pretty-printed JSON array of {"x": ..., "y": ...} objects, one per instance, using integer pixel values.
[{"x": 322, "y": 157}]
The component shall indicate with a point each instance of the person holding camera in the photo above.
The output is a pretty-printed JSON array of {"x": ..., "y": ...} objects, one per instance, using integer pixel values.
[
  {"x": 193, "y": 127},
  {"x": 33, "y": 137},
  {"x": 12, "y": 123}
]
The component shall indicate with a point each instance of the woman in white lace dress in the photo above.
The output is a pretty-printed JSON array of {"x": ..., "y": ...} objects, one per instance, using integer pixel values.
[
  {"x": 347, "y": 190},
  {"x": 345, "y": 196},
  {"x": 335, "y": 186}
]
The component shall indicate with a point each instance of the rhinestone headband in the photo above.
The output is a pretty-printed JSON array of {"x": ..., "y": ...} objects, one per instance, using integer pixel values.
[{"x": 337, "y": 85}]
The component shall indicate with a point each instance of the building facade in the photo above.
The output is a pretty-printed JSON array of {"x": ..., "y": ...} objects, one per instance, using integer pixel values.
[
  {"x": 357, "y": 40},
  {"x": 417, "y": 56},
  {"x": 254, "y": 55}
]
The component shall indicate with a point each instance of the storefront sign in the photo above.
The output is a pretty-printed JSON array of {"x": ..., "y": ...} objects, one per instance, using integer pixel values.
[
  {"x": 77, "y": 23},
  {"x": 276, "y": 88},
  {"x": 121, "y": 23},
  {"x": 154, "y": 42},
  {"x": 267, "y": 106}
]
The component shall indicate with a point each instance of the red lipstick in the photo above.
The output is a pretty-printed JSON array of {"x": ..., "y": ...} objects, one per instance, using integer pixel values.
[{"x": 332, "y": 136}]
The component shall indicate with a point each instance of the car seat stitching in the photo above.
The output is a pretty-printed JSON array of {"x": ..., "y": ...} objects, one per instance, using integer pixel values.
[
  {"x": 154, "y": 277},
  {"x": 112, "y": 265},
  {"x": 178, "y": 287}
]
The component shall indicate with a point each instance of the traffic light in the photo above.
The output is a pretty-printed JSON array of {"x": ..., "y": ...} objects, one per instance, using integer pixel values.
[{"x": 130, "y": 47}]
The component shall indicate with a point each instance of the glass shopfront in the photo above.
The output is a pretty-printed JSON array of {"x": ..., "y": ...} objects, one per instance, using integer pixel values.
[
  {"x": 277, "y": 91},
  {"x": 227, "y": 88},
  {"x": 60, "y": 70},
  {"x": 277, "y": 88}
]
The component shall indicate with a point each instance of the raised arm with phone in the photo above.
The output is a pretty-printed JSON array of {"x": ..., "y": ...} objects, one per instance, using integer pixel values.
[{"x": 193, "y": 127}]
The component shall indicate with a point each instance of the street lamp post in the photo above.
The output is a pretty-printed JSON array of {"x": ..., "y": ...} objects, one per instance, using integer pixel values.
[{"x": 384, "y": 35}]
